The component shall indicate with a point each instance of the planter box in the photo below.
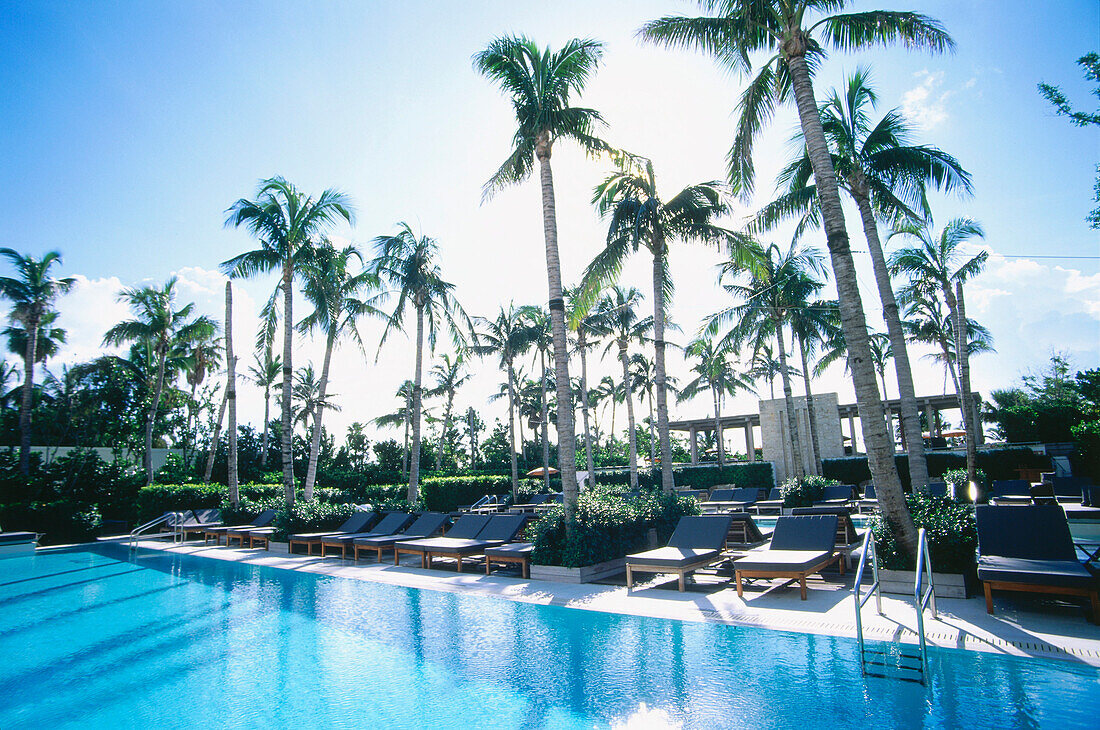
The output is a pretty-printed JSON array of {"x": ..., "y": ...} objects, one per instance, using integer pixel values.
[
  {"x": 900, "y": 582},
  {"x": 583, "y": 574}
]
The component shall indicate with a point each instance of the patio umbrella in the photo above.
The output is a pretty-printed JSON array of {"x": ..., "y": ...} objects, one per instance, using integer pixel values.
[{"x": 537, "y": 472}]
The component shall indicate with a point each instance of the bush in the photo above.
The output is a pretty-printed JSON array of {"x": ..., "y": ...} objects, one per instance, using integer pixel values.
[
  {"x": 805, "y": 491},
  {"x": 156, "y": 499},
  {"x": 995, "y": 463},
  {"x": 311, "y": 516},
  {"x": 958, "y": 484},
  {"x": 951, "y": 531},
  {"x": 446, "y": 494},
  {"x": 607, "y": 526},
  {"x": 59, "y": 522}
]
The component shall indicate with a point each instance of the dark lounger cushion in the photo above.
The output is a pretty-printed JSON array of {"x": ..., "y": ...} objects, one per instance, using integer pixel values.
[
  {"x": 706, "y": 532},
  {"x": 1011, "y": 487},
  {"x": 781, "y": 561},
  {"x": 512, "y": 549},
  {"x": 722, "y": 495},
  {"x": 501, "y": 528},
  {"x": 443, "y": 544},
  {"x": 468, "y": 526},
  {"x": 810, "y": 532},
  {"x": 1038, "y": 532},
  {"x": 1063, "y": 573},
  {"x": 17, "y": 538},
  {"x": 671, "y": 557}
]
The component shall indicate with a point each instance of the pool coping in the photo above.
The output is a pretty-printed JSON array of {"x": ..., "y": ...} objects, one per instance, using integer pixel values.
[{"x": 963, "y": 623}]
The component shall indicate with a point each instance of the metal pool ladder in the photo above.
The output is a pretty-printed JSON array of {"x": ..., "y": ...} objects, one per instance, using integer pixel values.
[
  {"x": 177, "y": 527},
  {"x": 912, "y": 664}
]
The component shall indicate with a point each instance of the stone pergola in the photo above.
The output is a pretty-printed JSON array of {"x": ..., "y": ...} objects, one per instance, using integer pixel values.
[{"x": 930, "y": 405}]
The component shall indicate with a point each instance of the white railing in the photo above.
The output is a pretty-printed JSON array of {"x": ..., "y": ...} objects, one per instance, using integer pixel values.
[{"x": 167, "y": 517}]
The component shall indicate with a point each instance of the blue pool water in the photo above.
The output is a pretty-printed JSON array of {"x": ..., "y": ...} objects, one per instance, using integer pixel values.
[{"x": 99, "y": 639}]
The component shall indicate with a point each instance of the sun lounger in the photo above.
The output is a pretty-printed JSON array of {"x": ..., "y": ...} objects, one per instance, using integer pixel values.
[
  {"x": 800, "y": 546},
  {"x": 1029, "y": 548},
  {"x": 835, "y": 496},
  {"x": 465, "y": 528},
  {"x": 727, "y": 500},
  {"x": 695, "y": 543},
  {"x": 744, "y": 534},
  {"x": 869, "y": 500},
  {"x": 391, "y": 523},
  {"x": 356, "y": 524},
  {"x": 18, "y": 543},
  {"x": 499, "y": 530},
  {"x": 513, "y": 552},
  {"x": 937, "y": 489},
  {"x": 1073, "y": 489},
  {"x": 201, "y": 520},
  {"x": 1011, "y": 491},
  {"x": 425, "y": 525},
  {"x": 264, "y": 519},
  {"x": 848, "y": 538},
  {"x": 531, "y": 504},
  {"x": 774, "y": 502}
]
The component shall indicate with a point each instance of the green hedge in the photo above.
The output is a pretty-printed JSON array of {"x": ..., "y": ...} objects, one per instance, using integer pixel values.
[
  {"x": 996, "y": 463},
  {"x": 805, "y": 491},
  {"x": 311, "y": 516},
  {"x": 756, "y": 474},
  {"x": 446, "y": 494},
  {"x": 156, "y": 499},
  {"x": 607, "y": 525},
  {"x": 59, "y": 522},
  {"x": 951, "y": 531}
]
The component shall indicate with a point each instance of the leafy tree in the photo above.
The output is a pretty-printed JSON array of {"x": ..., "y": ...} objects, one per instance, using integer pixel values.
[
  {"x": 714, "y": 372},
  {"x": 1090, "y": 62},
  {"x": 32, "y": 292},
  {"x": 449, "y": 375},
  {"x": 165, "y": 330},
  {"x": 539, "y": 83},
  {"x": 357, "y": 445},
  {"x": 265, "y": 373},
  {"x": 796, "y": 34},
  {"x": 408, "y": 264},
  {"x": 287, "y": 223}
]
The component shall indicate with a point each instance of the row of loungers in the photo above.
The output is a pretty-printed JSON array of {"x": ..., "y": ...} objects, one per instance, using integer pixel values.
[{"x": 1058, "y": 490}]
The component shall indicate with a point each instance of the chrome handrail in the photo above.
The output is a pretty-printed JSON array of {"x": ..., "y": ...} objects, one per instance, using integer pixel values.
[
  {"x": 869, "y": 549},
  {"x": 923, "y": 596},
  {"x": 176, "y": 527}
]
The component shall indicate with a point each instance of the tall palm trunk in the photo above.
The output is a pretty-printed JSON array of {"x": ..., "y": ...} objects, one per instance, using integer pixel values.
[
  {"x": 315, "y": 442},
  {"x": 267, "y": 420},
  {"x": 788, "y": 399},
  {"x": 414, "y": 458},
  {"x": 910, "y": 416},
  {"x": 810, "y": 408},
  {"x": 446, "y": 428},
  {"x": 287, "y": 435},
  {"x": 584, "y": 411},
  {"x": 566, "y": 437},
  {"x": 660, "y": 376},
  {"x": 652, "y": 426},
  {"x": 512, "y": 426},
  {"x": 216, "y": 436},
  {"x": 545, "y": 425},
  {"x": 631, "y": 442},
  {"x": 966, "y": 404},
  {"x": 880, "y": 452},
  {"x": 26, "y": 399},
  {"x": 231, "y": 395},
  {"x": 405, "y": 444},
  {"x": 151, "y": 419},
  {"x": 719, "y": 442}
]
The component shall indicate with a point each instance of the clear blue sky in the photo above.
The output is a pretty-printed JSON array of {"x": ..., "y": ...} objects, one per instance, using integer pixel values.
[{"x": 129, "y": 127}]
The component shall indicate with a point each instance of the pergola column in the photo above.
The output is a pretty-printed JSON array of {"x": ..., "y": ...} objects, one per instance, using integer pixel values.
[
  {"x": 929, "y": 418},
  {"x": 693, "y": 440},
  {"x": 749, "y": 442},
  {"x": 852, "y": 432}
]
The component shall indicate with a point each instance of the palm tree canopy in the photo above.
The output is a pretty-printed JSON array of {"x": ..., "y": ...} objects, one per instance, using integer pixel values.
[
  {"x": 156, "y": 322},
  {"x": 339, "y": 294},
  {"x": 616, "y": 318},
  {"x": 714, "y": 370},
  {"x": 407, "y": 264},
  {"x": 507, "y": 335},
  {"x": 32, "y": 289},
  {"x": 539, "y": 83},
  {"x": 937, "y": 261},
  {"x": 449, "y": 375},
  {"x": 50, "y": 337},
  {"x": 266, "y": 369},
  {"x": 733, "y": 30}
]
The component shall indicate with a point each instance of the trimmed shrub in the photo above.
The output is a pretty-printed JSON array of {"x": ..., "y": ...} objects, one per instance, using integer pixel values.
[
  {"x": 311, "y": 516},
  {"x": 951, "y": 531},
  {"x": 607, "y": 525},
  {"x": 756, "y": 474},
  {"x": 958, "y": 485},
  {"x": 446, "y": 494},
  {"x": 995, "y": 463},
  {"x": 805, "y": 491},
  {"x": 156, "y": 499}
]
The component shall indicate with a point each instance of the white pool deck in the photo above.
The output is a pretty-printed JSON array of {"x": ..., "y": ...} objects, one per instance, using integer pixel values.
[{"x": 1022, "y": 625}]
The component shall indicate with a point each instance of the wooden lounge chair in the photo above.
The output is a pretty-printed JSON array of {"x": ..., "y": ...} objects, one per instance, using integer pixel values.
[
  {"x": 531, "y": 504},
  {"x": 1073, "y": 489},
  {"x": 201, "y": 519},
  {"x": 1011, "y": 491},
  {"x": 695, "y": 543},
  {"x": 425, "y": 525},
  {"x": 465, "y": 528},
  {"x": 869, "y": 500},
  {"x": 1029, "y": 548},
  {"x": 263, "y": 519},
  {"x": 744, "y": 534},
  {"x": 800, "y": 546},
  {"x": 356, "y": 524},
  {"x": 848, "y": 538},
  {"x": 391, "y": 523},
  {"x": 729, "y": 500},
  {"x": 774, "y": 502},
  {"x": 513, "y": 552},
  {"x": 499, "y": 530},
  {"x": 835, "y": 496}
]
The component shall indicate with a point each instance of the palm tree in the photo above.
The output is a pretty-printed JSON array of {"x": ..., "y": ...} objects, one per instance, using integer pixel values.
[
  {"x": 580, "y": 323},
  {"x": 608, "y": 392},
  {"x": 31, "y": 291},
  {"x": 407, "y": 263},
  {"x": 167, "y": 332},
  {"x": 640, "y": 217},
  {"x": 616, "y": 318},
  {"x": 538, "y": 321},
  {"x": 886, "y": 176},
  {"x": 340, "y": 296},
  {"x": 776, "y": 286},
  {"x": 450, "y": 375},
  {"x": 764, "y": 364},
  {"x": 287, "y": 223},
  {"x": 507, "y": 336},
  {"x": 714, "y": 372},
  {"x": 401, "y": 417},
  {"x": 202, "y": 357},
  {"x": 812, "y": 324},
  {"x": 265, "y": 373},
  {"x": 937, "y": 264},
  {"x": 309, "y": 400},
  {"x": 733, "y": 33},
  {"x": 927, "y": 323},
  {"x": 643, "y": 377},
  {"x": 540, "y": 84}
]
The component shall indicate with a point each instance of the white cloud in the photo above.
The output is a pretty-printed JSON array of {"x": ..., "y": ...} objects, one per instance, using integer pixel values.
[{"x": 925, "y": 105}]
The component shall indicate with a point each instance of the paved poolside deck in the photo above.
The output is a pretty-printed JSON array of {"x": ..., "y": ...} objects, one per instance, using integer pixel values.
[{"x": 1023, "y": 625}]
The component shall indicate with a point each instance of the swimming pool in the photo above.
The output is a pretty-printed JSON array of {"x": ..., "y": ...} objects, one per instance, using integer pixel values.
[{"x": 96, "y": 638}]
